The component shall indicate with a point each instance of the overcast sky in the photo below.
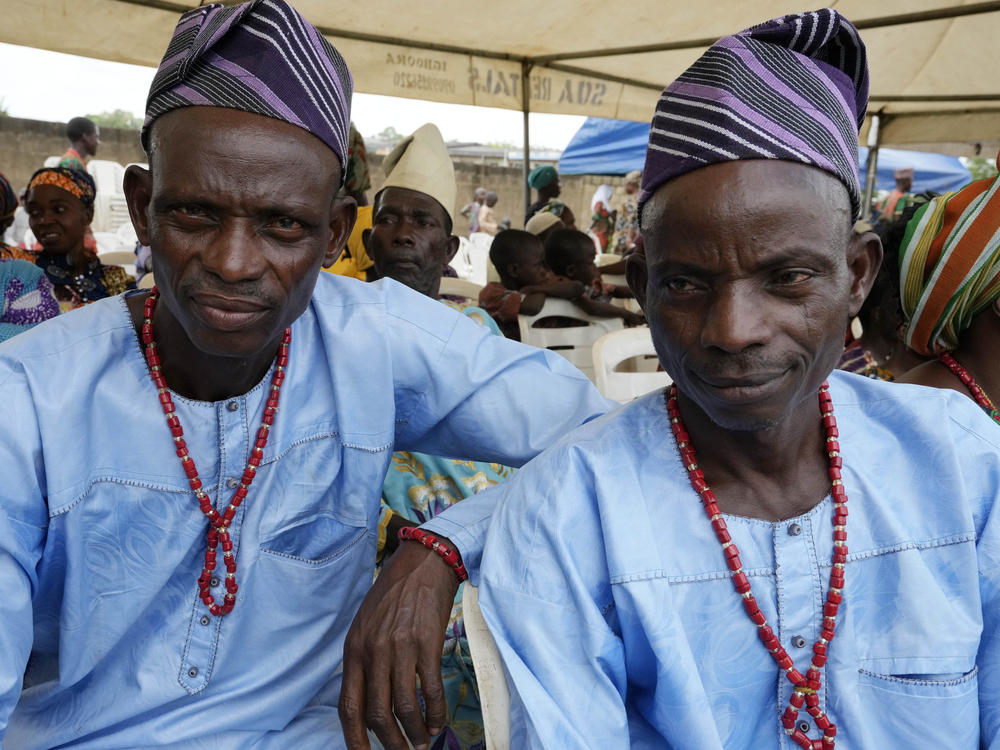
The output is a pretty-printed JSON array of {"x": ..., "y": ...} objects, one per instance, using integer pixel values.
[{"x": 43, "y": 85}]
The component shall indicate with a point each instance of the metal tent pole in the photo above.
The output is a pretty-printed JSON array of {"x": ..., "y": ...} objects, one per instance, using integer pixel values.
[
  {"x": 874, "y": 139},
  {"x": 526, "y": 111}
]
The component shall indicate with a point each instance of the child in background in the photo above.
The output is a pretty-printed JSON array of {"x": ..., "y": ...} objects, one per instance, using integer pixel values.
[
  {"x": 570, "y": 253},
  {"x": 525, "y": 282}
]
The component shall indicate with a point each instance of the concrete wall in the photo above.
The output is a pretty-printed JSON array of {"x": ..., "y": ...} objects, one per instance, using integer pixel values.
[{"x": 26, "y": 144}]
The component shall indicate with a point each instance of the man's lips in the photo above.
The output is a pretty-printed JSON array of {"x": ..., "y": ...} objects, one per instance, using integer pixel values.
[
  {"x": 744, "y": 388},
  {"x": 228, "y": 313}
]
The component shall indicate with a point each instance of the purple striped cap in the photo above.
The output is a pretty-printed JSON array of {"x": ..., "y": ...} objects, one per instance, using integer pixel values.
[
  {"x": 261, "y": 57},
  {"x": 795, "y": 88}
]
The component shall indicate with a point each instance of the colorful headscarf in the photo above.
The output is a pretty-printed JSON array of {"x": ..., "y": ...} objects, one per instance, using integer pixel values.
[
  {"x": 8, "y": 199},
  {"x": 949, "y": 265},
  {"x": 260, "y": 57},
  {"x": 795, "y": 89},
  {"x": 541, "y": 176},
  {"x": 73, "y": 181}
]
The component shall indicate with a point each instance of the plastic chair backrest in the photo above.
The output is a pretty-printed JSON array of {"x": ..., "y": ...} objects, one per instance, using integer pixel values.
[
  {"x": 117, "y": 257},
  {"x": 461, "y": 288},
  {"x": 461, "y": 263},
  {"x": 606, "y": 259},
  {"x": 494, "y": 697},
  {"x": 614, "y": 348},
  {"x": 574, "y": 343},
  {"x": 479, "y": 256}
]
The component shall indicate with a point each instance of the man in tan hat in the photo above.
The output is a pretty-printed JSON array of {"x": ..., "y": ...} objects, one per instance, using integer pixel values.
[{"x": 411, "y": 241}]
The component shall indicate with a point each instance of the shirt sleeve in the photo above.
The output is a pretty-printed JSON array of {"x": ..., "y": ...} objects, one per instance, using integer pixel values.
[
  {"x": 481, "y": 397},
  {"x": 985, "y": 458},
  {"x": 23, "y": 525},
  {"x": 545, "y": 594}
]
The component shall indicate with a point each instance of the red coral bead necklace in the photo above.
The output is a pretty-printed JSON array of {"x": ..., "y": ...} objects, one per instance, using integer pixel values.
[
  {"x": 218, "y": 528},
  {"x": 806, "y": 687},
  {"x": 978, "y": 394}
]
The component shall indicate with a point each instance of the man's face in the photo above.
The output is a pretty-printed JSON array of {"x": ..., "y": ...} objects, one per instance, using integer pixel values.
[
  {"x": 409, "y": 239},
  {"x": 240, "y": 211},
  {"x": 749, "y": 278},
  {"x": 92, "y": 141},
  {"x": 57, "y": 218},
  {"x": 903, "y": 184}
]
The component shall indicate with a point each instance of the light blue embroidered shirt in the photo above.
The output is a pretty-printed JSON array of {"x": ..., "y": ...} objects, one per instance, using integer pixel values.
[
  {"x": 101, "y": 540},
  {"x": 610, "y": 601}
]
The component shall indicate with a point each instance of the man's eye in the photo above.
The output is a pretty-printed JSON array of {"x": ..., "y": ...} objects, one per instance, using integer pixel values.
[
  {"x": 286, "y": 223},
  {"x": 793, "y": 277},
  {"x": 192, "y": 211},
  {"x": 679, "y": 285}
]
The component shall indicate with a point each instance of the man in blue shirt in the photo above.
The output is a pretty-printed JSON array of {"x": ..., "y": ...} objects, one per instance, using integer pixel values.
[
  {"x": 683, "y": 572},
  {"x": 180, "y": 560}
]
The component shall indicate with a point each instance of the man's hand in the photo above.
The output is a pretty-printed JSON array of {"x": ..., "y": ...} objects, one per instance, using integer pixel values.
[{"x": 397, "y": 636}]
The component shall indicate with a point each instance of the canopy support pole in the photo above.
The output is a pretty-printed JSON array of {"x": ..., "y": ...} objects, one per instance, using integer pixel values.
[
  {"x": 874, "y": 139},
  {"x": 526, "y": 67}
]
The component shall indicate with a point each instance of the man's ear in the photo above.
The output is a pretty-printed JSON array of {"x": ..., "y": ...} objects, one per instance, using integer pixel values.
[
  {"x": 138, "y": 187},
  {"x": 637, "y": 274},
  {"x": 451, "y": 249},
  {"x": 343, "y": 214},
  {"x": 864, "y": 258}
]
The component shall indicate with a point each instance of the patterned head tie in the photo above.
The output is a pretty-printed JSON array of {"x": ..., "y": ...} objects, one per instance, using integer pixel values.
[
  {"x": 260, "y": 57},
  {"x": 74, "y": 181},
  {"x": 949, "y": 265},
  {"x": 794, "y": 89},
  {"x": 8, "y": 199}
]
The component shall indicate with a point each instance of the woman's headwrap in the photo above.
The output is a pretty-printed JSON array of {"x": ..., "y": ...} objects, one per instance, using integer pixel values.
[
  {"x": 74, "y": 181},
  {"x": 602, "y": 195},
  {"x": 949, "y": 265},
  {"x": 8, "y": 199},
  {"x": 542, "y": 176},
  {"x": 794, "y": 89},
  {"x": 260, "y": 57}
]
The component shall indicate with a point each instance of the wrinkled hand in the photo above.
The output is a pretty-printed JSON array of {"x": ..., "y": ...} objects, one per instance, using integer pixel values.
[{"x": 396, "y": 637}]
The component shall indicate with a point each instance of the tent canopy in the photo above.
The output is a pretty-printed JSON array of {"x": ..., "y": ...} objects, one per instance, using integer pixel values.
[
  {"x": 931, "y": 60},
  {"x": 614, "y": 147}
]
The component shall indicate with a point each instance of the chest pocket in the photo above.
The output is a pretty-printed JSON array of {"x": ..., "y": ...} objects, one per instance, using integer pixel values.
[
  {"x": 915, "y": 622},
  {"x": 316, "y": 542}
]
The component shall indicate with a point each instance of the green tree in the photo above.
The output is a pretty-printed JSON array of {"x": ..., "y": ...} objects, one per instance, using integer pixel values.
[
  {"x": 4, "y": 110},
  {"x": 389, "y": 133},
  {"x": 979, "y": 167},
  {"x": 119, "y": 118}
]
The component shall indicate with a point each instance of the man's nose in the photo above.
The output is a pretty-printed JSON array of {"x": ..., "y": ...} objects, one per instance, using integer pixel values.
[
  {"x": 736, "y": 320},
  {"x": 236, "y": 253}
]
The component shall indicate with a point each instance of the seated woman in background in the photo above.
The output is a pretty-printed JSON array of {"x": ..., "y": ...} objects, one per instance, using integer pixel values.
[
  {"x": 60, "y": 206},
  {"x": 949, "y": 272}
]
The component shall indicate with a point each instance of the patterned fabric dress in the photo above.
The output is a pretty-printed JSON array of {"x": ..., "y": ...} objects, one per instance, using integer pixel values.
[
  {"x": 75, "y": 289},
  {"x": 26, "y": 297},
  {"x": 859, "y": 360},
  {"x": 626, "y": 225},
  {"x": 419, "y": 486}
]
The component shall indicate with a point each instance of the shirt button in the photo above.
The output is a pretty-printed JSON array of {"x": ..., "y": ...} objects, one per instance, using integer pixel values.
[
  {"x": 794, "y": 529},
  {"x": 798, "y": 641},
  {"x": 193, "y": 672},
  {"x": 232, "y": 483},
  {"x": 233, "y": 406},
  {"x": 205, "y": 619},
  {"x": 214, "y": 581},
  {"x": 804, "y": 726}
]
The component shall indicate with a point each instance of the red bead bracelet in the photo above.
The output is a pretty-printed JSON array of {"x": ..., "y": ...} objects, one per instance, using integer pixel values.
[{"x": 431, "y": 542}]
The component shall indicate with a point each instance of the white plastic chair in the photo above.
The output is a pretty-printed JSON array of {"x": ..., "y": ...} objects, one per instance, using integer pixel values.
[
  {"x": 117, "y": 257},
  {"x": 573, "y": 343},
  {"x": 461, "y": 263},
  {"x": 606, "y": 259},
  {"x": 479, "y": 257},
  {"x": 616, "y": 347},
  {"x": 494, "y": 697},
  {"x": 461, "y": 288}
]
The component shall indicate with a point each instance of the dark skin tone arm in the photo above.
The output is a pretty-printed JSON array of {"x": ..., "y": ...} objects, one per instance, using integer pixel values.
[
  {"x": 535, "y": 294},
  {"x": 412, "y": 595},
  {"x": 607, "y": 310}
]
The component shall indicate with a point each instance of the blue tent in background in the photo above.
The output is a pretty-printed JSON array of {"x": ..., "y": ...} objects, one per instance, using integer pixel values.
[{"x": 614, "y": 147}]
